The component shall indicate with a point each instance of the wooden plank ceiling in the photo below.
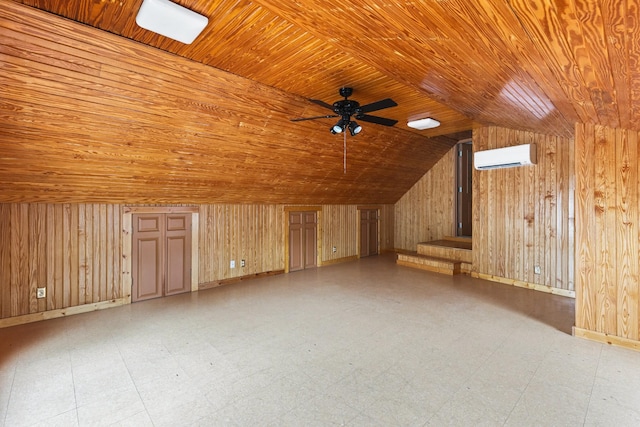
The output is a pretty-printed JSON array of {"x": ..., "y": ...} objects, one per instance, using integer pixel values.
[{"x": 89, "y": 116}]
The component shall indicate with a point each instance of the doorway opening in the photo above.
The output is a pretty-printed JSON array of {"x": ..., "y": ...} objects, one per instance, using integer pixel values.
[
  {"x": 368, "y": 232},
  {"x": 464, "y": 188}
]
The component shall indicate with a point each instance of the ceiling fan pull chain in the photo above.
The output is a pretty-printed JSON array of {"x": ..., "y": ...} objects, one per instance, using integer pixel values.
[{"x": 345, "y": 153}]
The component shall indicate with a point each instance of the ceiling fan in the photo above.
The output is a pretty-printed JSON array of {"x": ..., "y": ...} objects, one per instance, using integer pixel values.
[{"x": 347, "y": 108}]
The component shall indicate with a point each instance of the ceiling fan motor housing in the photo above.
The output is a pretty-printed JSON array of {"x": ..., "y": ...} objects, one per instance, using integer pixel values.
[
  {"x": 346, "y": 107},
  {"x": 346, "y": 91}
]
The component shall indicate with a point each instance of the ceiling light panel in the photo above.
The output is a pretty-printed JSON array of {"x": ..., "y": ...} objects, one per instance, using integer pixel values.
[
  {"x": 422, "y": 124},
  {"x": 171, "y": 20}
]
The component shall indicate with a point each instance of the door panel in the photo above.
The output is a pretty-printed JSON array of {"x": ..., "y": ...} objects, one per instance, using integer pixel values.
[
  {"x": 310, "y": 240},
  {"x": 302, "y": 240},
  {"x": 178, "y": 250},
  {"x": 176, "y": 278},
  {"x": 161, "y": 255},
  {"x": 147, "y": 257},
  {"x": 296, "y": 241}
]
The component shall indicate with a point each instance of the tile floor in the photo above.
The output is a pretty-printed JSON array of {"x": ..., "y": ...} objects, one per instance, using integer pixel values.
[{"x": 364, "y": 343}]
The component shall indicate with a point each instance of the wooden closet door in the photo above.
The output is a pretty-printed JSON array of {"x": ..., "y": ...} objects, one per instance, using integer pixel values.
[
  {"x": 178, "y": 254},
  {"x": 303, "y": 240},
  {"x": 368, "y": 232},
  {"x": 148, "y": 256},
  {"x": 161, "y": 255},
  {"x": 296, "y": 241},
  {"x": 310, "y": 239}
]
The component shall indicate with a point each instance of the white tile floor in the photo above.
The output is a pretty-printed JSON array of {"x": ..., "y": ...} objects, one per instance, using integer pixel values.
[{"x": 364, "y": 343}]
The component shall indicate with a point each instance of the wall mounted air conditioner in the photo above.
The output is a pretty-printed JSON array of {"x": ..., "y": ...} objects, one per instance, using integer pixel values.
[{"x": 507, "y": 157}]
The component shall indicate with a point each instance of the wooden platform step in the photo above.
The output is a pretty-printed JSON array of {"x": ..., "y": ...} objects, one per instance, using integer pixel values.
[
  {"x": 448, "y": 248},
  {"x": 429, "y": 263}
]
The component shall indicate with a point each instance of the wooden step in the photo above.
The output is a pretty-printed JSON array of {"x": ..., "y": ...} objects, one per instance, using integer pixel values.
[
  {"x": 429, "y": 263},
  {"x": 457, "y": 250}
]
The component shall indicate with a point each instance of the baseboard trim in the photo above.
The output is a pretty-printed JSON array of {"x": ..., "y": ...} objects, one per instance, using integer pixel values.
[
  {"x": 61, "y": 312},
  {"x": 606, "y": 338},
  {"x": 215, "y": 284},
  {"x": 339, "y": 260},
  {"x": 527, "y": 285}
]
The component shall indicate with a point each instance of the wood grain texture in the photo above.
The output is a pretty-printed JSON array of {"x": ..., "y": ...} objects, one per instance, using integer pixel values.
[
  {"x": 426, "y": 211},
  {"x": 88, "y": 116},
  {"x": 607, "y": 234},
  {"x": 79, "y": 251},
  {"x": 46, "y": 247},
  {"x": 521, "y": 215}
]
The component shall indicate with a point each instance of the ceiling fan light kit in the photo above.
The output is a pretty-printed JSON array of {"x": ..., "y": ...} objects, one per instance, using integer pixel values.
[
  {"x": 354, "y": 128},
  {"x": 346, "y": 108},
  {"x": 422, "y": 124},
  {"x": 171, "y": 20}
]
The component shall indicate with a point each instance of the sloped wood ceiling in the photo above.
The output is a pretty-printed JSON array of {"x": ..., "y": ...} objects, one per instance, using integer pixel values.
[{"x": 90, "y": 116}]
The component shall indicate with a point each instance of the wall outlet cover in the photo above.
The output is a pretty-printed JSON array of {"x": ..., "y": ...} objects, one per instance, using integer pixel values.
[
  {"x": 41, "y": 293},
  {"x": 232, "y": 264}
]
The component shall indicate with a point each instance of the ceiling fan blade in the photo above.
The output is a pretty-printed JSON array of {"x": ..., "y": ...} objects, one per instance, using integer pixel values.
[
  {"x": 322, "y": 104},
  {"x": 376, "y": 119},
  {"x": 313, "y": 118},
  {"x": 379, "y": 105}
]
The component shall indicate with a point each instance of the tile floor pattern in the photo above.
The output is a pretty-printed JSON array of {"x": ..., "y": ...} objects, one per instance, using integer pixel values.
[{"x": 364, "y": 343}]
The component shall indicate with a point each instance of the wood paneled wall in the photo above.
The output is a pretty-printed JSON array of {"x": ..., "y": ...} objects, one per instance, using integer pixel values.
[
  {"x": 73, "y": 250},
  {"x": 86, "y": 114},
  {"x": 524, "y": 217},
  {"x": 76, "y": 250},
  {"x": 607, "y": 233},
  {"x": 426, "y": 211},
  {"x": 254, "y": 233},
  {"x": 341, "y": 225}
]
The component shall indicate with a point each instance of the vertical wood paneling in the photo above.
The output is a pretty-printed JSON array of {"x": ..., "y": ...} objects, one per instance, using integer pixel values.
[
  {"x": 480, "y": 191},
  {"x": 585, "y": 227},
  {"x": 254, "y": 233},
  {"x": 426, "y": 211},
  {"x": 607, "y": 232},
  {"x": 522, "y": 218},
  {"x": 19, "y": 256},
  {"x": 45, "y": 245},
  {"x": 529, "y": 214},
  {"x": 5, "y": 260},
  {"x": 627, "y": 233},
  {"x": 75, "y": 249}
]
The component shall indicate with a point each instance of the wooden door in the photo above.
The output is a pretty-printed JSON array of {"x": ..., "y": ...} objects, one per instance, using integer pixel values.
[
  {"x": 368, "y": 232},
  {"x": 296, "y": 241},
  {"x": 310, "y": 239},
  {"x": 161, "y": 253},
  {"x": 464, "y": 196},
  {"x": 178, "y": 254},
  {"x": 302, "y": 240}
]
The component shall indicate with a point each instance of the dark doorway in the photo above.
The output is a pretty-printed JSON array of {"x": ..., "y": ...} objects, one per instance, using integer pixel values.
[
  {"x": 464, "y": 193},
  {"x": 368, "y": 232}
]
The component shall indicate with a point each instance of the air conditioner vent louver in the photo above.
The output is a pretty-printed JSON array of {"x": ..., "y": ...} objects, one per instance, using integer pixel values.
[{"x": 507, "y": 157}]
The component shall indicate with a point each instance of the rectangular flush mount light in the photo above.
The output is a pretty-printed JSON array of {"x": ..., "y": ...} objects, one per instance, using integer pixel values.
[
  {"x": 171, "y": 20},
  {"x": 422, "y": 124}
]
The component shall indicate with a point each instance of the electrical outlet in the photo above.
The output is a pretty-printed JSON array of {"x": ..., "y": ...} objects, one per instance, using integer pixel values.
[
  {"x": 536, "y": 269},
  {"x": 334, "y": 249},
  {"x": 41, "y": 293},
  {"x": 242, "y": 263},
  {"x": 232, "y": 264}
]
